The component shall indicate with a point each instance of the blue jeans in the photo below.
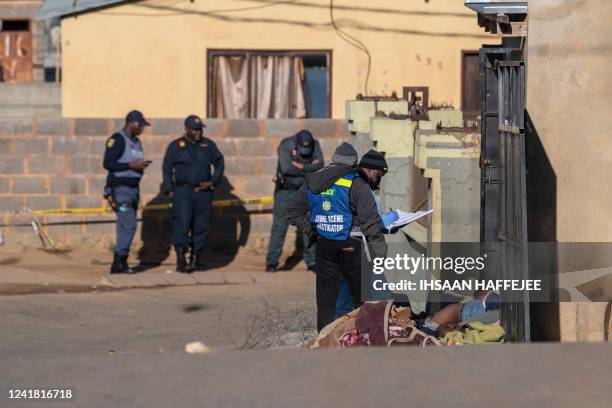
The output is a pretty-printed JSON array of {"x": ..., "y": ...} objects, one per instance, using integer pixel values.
[
  {"x": 344, "y": 301},
  {"x": 127, "y": 199}
]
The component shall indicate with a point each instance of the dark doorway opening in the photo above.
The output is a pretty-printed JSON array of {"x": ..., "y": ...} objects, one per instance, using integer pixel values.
[
  {"x": 15, "y": 25},
  {"x": 470, "y": 84}
]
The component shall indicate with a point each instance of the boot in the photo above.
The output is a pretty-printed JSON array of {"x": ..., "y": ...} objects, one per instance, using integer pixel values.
[
  {"x": 126, "y": 267},
  {"x": 120, "y": 265},
  {"x": 194, "y": 263},
  {"x": 181, "y": 262},
  {"x": 116, "y": 267}
]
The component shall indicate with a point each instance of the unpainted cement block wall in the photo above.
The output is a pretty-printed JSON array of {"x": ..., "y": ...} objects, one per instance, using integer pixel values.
[{"x": 57, "y": 163}]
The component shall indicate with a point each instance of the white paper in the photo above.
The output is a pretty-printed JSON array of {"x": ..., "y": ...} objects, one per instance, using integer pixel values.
[{"x": 405, "y": 218}]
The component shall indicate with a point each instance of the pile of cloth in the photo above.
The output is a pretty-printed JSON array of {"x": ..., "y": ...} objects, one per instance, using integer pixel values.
[
  {"x": 475, "y": 333},
  {"x": 382, "y": 323}
]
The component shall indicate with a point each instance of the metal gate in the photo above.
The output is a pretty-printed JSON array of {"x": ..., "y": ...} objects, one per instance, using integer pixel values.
[{"x": 503, "y": 184}]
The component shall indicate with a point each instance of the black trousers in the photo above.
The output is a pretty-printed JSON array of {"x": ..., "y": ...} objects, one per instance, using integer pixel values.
[
  {"x": 336, "y": 260},
  {"x": 191, "y": 216}
]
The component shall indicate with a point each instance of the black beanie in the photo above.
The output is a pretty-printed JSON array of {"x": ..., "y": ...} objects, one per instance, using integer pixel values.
[{"x": 373, "y": 160}]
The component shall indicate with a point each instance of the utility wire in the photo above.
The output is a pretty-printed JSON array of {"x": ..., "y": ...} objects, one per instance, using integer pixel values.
[
  {"x": 353, "y": 42},
  {"x": 179, "y": 12},
  {"x": 349, "y": 39}
]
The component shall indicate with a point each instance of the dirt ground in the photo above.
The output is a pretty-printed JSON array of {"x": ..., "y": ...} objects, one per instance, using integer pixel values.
[
  {"x": 127, "y": 347},
  {"x": 54, "y": 303},
  {"x": 26, "y": 270}
]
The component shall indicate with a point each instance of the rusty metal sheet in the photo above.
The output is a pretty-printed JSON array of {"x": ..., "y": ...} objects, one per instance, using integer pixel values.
[{"x": 16, "y": 56}]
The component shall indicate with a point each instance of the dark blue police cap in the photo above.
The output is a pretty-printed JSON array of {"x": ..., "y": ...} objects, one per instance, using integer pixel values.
[
  {"x": 194, "y": 122},
  {"x": 136, "y": 116},
  {"x": 305, "y": 142}
]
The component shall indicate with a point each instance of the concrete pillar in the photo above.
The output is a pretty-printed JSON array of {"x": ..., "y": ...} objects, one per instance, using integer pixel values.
[
  {"x": 451, "y": 161},
  {"x": 359, "y": 114}
]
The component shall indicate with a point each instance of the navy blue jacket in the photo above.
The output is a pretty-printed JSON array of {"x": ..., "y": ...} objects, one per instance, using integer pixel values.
[
  {"x": 188, "y": 162},
  {"x": 114, "y": 150}
]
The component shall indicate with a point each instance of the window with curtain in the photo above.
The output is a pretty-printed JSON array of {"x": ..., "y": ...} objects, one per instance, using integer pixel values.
[{"x": 261, "y": 85}]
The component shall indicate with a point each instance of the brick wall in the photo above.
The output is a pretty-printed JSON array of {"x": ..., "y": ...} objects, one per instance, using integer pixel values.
[{"x": 57, "y": 163}]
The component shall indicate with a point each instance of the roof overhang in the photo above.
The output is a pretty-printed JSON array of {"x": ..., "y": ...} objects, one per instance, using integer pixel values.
[
  {"x": 62, "y": 8},
  {"x": 507, "y": 17},
  {"x": 494, "y": 7}
]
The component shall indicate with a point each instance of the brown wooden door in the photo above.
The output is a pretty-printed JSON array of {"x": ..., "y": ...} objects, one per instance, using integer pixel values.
[
  {"x": 16, "y": 56},
  {"x": 470, "y": 83}
]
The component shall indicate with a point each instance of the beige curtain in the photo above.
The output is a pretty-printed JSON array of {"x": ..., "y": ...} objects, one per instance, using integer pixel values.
[{"x": 258, "y": 87}]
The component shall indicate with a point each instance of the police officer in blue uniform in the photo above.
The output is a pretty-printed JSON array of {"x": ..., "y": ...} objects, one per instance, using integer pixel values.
[
  {"x": 188, "y": 179},
  {"x": 329, "y": 204},
  {"x": 124, "y": 160},
  {"x": 298, "y": 156}
]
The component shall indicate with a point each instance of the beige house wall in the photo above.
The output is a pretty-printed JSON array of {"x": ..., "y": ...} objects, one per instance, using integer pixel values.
[
  {"x": 152, "y": 54},
  {"x": 569, "y": 100}
]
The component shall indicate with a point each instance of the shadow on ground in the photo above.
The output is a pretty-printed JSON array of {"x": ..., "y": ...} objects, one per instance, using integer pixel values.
[{"x": 228, "y": 232}]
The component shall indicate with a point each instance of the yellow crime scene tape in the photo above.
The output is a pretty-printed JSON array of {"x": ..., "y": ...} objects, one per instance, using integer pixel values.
[{"x": 217, "y": 203}]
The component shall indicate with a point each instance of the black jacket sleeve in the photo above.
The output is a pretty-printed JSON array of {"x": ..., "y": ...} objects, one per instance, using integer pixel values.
[
  {"x": 367, "y": 217},
  {"x": 285, "y": 157},
  {"x": 218, "y": 163},
  {"x": 298, "y": 213},
  {"x": 115, "y": 145},
  {"x": 317, "y": 161},
  {"x": 168, "y": 170}
]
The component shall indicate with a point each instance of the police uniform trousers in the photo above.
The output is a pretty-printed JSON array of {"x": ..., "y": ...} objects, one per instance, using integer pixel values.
[
  {"x": 279, "y": 231},
  {"x": 127, "y": 199},
  {"x": 191, "y": 213},
  {"x": 336, "y": 260}
]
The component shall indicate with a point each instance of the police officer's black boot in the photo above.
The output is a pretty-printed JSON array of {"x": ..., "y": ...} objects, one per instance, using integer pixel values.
[
  {"x": 125, "y": 266},
  {"x": 116, "y": 266},
  {"x": 120, "y": 264},
  {"x": 181, "y": 262},
  {"x": 194, "y": 263}
]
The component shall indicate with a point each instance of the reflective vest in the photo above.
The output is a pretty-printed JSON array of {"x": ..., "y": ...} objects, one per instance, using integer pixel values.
[
  {"x": 330, "y": 210},
  {"x": 133, "y": 151}
]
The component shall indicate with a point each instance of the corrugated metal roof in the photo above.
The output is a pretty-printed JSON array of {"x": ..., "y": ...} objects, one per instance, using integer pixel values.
[{"x": 60, "y": 8}]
